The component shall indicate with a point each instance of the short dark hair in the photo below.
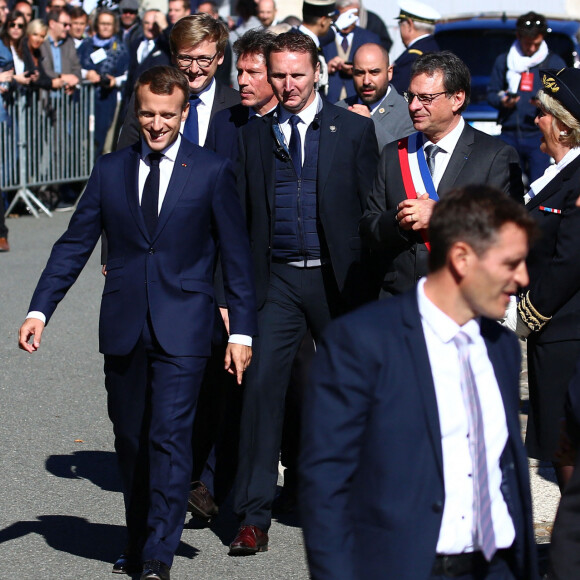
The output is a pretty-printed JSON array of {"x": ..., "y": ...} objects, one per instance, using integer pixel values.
[
  {"x": 77, "y": 12},
  {"x": 294, "y": 41},
  {"x": 474, "y": 214},
  {"x": 186, "y": 4},
  {"x": 54, "y": 15},
  {"x": 531, "y": 25},
  {"x": 254, "y": 41},
  {"x": 163, "y": 80},
  {"x": 456, "y": 76}
]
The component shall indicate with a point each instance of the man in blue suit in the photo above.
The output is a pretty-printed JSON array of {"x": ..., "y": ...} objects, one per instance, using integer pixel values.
[
  {"x": 165, "y": 205},
  {"x": 412, "y": 464}
]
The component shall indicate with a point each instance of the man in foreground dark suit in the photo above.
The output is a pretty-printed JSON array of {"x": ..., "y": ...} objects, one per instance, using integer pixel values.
[
  {"x": 412, "y": 463},
  {"x": 416, "y": 171},
  {"x": 165, "y": 205},
  {"x": 197, "y": 45},
  {"x": 304, "y": 174}
]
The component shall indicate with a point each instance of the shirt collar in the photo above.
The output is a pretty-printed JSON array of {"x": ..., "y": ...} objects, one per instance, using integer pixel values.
[
  {"x": 306, "y": 115},
  {"x": 309, "y": 32},
  {"x": 376, "y": 105},
  {"x": 449, "y": 142},
  {"x": 169, "y": 152},
  {"x": 207, "y": 95},
  {"x": 55, "y": 43},
  {"x": 444, "y": 327}
]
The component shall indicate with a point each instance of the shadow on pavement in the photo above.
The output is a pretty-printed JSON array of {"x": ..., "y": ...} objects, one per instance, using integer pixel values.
[{"x": 99, "y": 467}]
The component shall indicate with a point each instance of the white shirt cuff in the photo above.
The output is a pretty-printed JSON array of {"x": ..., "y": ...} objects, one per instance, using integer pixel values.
[
  {"x": 37, "y": 315},
  {"x": 241, "y": 339}
]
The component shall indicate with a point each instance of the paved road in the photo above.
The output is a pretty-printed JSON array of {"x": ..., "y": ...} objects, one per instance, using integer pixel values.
[{"x": 61, "y": 513}]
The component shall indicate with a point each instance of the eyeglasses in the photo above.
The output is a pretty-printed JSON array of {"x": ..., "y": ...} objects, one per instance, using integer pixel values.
[
  {"x": 129, "y": 12},
  {"x": 423, "y": 99},
  {"x": 542, "y": 112},
  {"x": 65, "y": 24},
  {"x": 185, "y": 61},
  {"x": 16, "y": 25}
]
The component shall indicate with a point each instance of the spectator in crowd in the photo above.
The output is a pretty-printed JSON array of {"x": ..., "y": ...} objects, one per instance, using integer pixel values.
[
  {"x": 6, "y": 76},
  {"x": 223, "y": 73},
  {"x": 375, "y": 97},
  {"x": 4, "y": 10},
  {"x": 130, "y": 27},
  {"x": 373, "y": 23},
  {"x": 316, "y": 20},
  {"x": 60, "y": 59},
  {"x": 25, "y": 8},
  {"x": 267, "y": 12},
  {"x": 514, "y": 82},
  {"x": 340, "y": 52},
  {"x": 79, "y": 21},
  {"x": 178, "y": 9},
  {"x": 11, "y": 36},
  {"x": 154, "y": 361},
  {"x": 247, "y": 19},
  {"x": 197, "y": 44},
  {"x": 412, "y": 462},
  {"x": 55, "y": 6},
  {"x": 36, "y": 32},
  {"x": 308, "y": 261},
  {"x": 105, "y": 58},
  {"x": 445, "y": 153},
  {"x": 416, "y": 25},
  {"x": 549, "y": 308}
]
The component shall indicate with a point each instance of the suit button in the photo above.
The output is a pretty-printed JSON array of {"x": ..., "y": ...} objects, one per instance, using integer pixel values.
[
  {"x": 414, "y": 250},
  {"x": 151, "y": 250},
  {"x": 437, "y": 507}
]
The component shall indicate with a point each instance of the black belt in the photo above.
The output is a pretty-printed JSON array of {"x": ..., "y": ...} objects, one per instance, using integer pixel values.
[{"x": 466, "y": 563}]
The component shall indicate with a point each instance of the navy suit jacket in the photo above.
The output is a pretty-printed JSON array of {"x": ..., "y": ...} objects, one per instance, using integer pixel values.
[
  {"x": 554, "y": 261},
  {"x": 169, "y": 274},
  {"x": 222, "y": 134},
  {"x": 347, "y": 161},
  {"x": 371, "y": 466},
  {"x": 335, "y": 80}
]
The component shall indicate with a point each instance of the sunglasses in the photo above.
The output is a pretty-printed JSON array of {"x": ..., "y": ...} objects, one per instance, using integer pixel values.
[{"x": 16, "y": 25}]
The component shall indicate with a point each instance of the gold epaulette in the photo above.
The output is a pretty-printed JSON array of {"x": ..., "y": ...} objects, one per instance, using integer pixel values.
[
  {"x": 530, "y": 316},
  {"x": 415, "y": 51}
]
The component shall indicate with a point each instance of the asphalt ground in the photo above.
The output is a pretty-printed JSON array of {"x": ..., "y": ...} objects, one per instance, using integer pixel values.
[{"x": 61, "y": 512}]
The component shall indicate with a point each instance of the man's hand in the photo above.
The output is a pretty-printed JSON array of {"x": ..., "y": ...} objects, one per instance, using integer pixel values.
[
  {"x": 70, "y": 79},
  {"x": 360, "y": 110},
  {"x": 93, "y": 76},
  {"x": 335, "y": 64},
  {"x": 225, "y": 318},
  {"x": 509, "y": 102},
  {"x": 32, "y": 327},
  {"x": 238, "y": 357},
  {"x": 414, "y": 214}
]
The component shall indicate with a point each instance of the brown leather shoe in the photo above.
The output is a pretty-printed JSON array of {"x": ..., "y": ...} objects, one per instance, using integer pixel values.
[
  {"x": 250, "y": 539},
  {"x": 200, "y": 502},
  {"x": 4, "y": 245}
]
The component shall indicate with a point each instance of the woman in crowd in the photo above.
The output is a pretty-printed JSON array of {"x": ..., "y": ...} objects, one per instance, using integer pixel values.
[
  {"x": 106, "y": 60},
  {"x": 11, "y": 36},
  {"x": 549, "y": 309}
]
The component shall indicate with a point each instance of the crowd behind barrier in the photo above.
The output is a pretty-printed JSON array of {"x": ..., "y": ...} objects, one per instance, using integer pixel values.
[{"x": 46, "y": 140}]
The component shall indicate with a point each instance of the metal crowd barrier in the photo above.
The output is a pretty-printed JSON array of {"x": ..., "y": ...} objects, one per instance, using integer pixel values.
[{"x": 48, "y": 139}]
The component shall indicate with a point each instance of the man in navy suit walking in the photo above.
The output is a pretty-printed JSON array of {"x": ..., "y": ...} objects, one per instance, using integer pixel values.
[
  {"x": 165, "y": 205},
  {"x": 412, "y": 463}
]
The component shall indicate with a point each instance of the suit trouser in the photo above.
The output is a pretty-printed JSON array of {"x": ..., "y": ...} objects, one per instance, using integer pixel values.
[
  {"x": 151, "y": 403},
  {"x": 297, "y": 299}
]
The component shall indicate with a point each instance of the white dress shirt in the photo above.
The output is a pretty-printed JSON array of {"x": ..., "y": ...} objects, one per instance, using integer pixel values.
[
  {"x": 447, "y": 146},
  {"x": 456, "y": 533},
  {"x": 306, "y": 116}
]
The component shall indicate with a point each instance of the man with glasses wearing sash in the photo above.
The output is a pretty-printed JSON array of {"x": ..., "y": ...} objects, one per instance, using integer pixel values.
[{"x": 444, "y": 154}]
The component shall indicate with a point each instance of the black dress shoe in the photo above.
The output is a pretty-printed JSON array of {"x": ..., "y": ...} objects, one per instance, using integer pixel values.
[
  {"x": 127, "y": 564},
  {"x": 155, "y": 570}
]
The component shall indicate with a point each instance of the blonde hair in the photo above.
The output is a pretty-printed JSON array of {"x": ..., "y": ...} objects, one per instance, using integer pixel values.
[
  {"x": 189, "y": 31},
  {"x": 35, "y": 26},
  {"x": 560, "y": 113}
]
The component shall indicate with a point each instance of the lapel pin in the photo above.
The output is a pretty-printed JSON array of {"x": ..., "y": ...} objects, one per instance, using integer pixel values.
[
  {"x": 184, "y": 165},
  {"x": 332, "y": 129},
  {"x": 381, "y": 110}
]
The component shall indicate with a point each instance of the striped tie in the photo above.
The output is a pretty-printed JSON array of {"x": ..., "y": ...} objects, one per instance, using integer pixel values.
[{"x": 483, "y": 524}]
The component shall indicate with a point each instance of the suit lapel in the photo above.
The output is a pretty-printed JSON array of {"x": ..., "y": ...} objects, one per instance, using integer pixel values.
[
  {"x": 458, "y": 159},
  {"x": 267, "y": 147},
  {"x": 421, "y": 369},
  {"x": 330, "y": 126},
  {"x": 177, "y": 182},
  {"x": 132, "y": 187},
  {"x": 555, "y": 185}
]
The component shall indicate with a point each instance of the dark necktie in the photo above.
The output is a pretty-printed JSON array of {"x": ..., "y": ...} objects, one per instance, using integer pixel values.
[
  {"x": 296, "y": 145},
  {"x": 191, "y": 127},
  {"x": 150, "y": 196},
  {"x": 483, "y": 524},
  {"x": 430, "y": 152},
  {"x": 344, "y": 44}
]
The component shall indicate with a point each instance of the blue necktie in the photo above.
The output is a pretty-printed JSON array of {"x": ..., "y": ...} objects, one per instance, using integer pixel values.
[
  {"x": 296, "y": 145},
  {"x": 483, "y": 523},
  {"x": 191, "y": 127},
  {"x": 150, "y": 196},
  {"x": 344, "y": 43}
]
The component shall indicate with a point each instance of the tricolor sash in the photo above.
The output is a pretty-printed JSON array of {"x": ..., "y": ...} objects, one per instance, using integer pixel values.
[{"x": 414, "y": 171}]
